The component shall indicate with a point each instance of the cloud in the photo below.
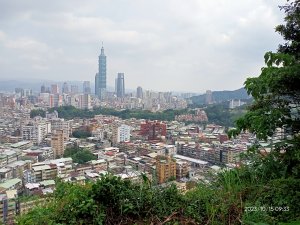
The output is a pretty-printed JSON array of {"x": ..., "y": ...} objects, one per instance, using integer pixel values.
[{"x": 160, "y": 45}]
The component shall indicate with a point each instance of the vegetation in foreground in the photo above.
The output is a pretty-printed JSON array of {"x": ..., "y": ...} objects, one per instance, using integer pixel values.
[{"x": 238, "y": 196}]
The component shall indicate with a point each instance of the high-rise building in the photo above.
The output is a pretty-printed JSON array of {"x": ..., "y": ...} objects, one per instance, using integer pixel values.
[
  {"x": 57, "y": 143},
  {"x": 74, "y": 89},
  {"x": 43, "y": 89},
  {"x": 86, "y": 87},
  {"x": 208, "y": 97},
  {"x": 60, "y": 124},
  {"x": 100, "y": 78},
  {"x": 36, "y": 132},
  {"x": 165, "y": 168},
  {"x": 54, "y": 89},
  {"x": 139, "y": 92},
  {"x": 65, "y": 88},
  {"x": 120, "y": 85},
  {"x": 121, "y": 133},
  {"x": 85, "y": 101}
]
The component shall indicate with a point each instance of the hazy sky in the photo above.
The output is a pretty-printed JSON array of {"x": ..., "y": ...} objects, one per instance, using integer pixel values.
[{"x": 179, "y": 45}]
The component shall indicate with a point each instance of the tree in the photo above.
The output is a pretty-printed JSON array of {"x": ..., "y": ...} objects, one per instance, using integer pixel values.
[
  {"x": 37, "y": 112},
  {"x": 79, "y": 155},
  {"x": 290, "y": 31},
  {"x": 276, "y": 97},
  {"x": 81, "y": 134}
]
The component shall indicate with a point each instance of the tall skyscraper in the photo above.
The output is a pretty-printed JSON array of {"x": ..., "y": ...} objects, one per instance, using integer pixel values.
[
  {"x": 86, "y": 87},
  {"x": 43, "y": 89},
  {"x": 139, "y": 92},
  {"x": 120, "y": 85},
  {"x": 54, "y": 89},
  {"x": 65, "y": 88},
  {"x": 208, "y": 97},
  {"x": 74, "y": 89},
  {"x": 100, "y": 78},
  {"x": 57, "y": 143}
]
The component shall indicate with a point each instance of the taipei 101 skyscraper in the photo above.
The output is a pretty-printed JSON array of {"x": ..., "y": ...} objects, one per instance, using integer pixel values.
[{"x": 100, "y": 78}]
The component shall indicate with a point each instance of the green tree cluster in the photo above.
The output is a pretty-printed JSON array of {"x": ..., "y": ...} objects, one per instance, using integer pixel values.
[
  {"x": 81, "y": 134},
  {"x": 37, "y": 112},
  {"x": 79, "y": 155},
  {"x": 70, "y": 112},
  {"x": 220, "y": 114}
]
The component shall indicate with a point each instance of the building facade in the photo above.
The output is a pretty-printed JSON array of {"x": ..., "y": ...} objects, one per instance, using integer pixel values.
[
  {"x": 165, "y": 169},
  {"x": 139, "y": 92},
  {"x": 86, "y": 87},
  {"x": 120, "y": 85},
  {"x": 100, "y": 78},
  {"x": 57, "y": 143},
  {"x": 154, "y": 130}
]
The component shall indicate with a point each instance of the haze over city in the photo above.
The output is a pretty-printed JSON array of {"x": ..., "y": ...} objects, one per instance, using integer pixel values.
[{"x": 159, "y": 45}]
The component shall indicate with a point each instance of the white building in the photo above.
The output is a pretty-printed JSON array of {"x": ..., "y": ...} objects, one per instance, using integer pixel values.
[
  {"x": 235, "y": 103},
  {"x": 36, "y": 132},
  {"x": 122, "y": 133}
]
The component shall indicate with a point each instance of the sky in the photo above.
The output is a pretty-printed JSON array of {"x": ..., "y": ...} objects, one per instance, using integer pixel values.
[{"x": 162, "y": 45}]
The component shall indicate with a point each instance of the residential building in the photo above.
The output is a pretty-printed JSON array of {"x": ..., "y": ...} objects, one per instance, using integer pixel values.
[
  {"x": 45, "y": 172},
  {"x": 35, "y": 132},
  {"x": 86, "y": 87},
  {"x": 74, "y": 89},
  {"x": 121, "y": 133},
  {"x": 165, "y": 169},
  {"x": 85, "y": 101},
  {"x": 54, "y": 89},
  {"x": 154, "y": 130},
  {"x": 57, "y": 143},
  {"x": 60, "y": 124}
]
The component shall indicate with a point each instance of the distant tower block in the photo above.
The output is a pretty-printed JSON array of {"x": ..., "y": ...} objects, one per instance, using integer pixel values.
[
  {"x": 208, "y": 97},
  {"x": 100, "y": 78}
]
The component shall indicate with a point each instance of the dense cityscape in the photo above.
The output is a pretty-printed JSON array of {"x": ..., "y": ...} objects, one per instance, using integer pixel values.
[
  {"x": 84, "y": 152},
  {"x": 36, "y": 149}
]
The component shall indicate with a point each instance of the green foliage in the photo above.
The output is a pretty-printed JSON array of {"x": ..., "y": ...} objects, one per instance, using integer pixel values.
[
  {"x": 37, "y": 112},
  {"x": 276, "y": 104},
  {"x": 290, "y": 31},
  {"x": 38, "y": 216},
  {"x": 221, "y": 114},
  {"x": 112, "y": 200},
  {"x": 70, "y": 112},
  {"x": 81, "y": 134},
  {"x": 79, "y": 155},
  {"x": 276, "y": 96},
  {"x": 282, "y": 197}
]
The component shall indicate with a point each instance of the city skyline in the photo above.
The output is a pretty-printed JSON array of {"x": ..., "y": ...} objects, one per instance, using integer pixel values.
[{"x": 185, "y": 46}]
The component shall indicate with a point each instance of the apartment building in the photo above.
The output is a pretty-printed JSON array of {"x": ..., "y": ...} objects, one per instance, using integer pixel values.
[
  {"x": 165, "y": 168},
  {"x": 57, "y": 143}
]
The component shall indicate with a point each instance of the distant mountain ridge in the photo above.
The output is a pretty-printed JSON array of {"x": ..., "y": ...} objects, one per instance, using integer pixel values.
[{"x": 221, "y": 96}]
